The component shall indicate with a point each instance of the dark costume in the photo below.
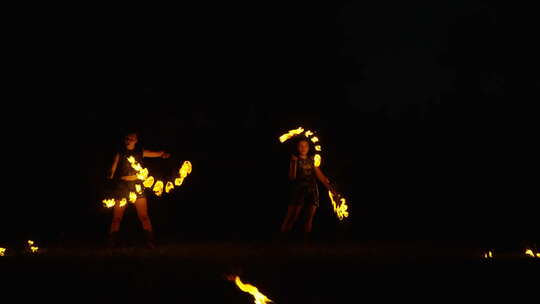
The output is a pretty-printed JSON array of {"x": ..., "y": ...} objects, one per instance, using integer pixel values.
[{"x": 304, "y": 187}]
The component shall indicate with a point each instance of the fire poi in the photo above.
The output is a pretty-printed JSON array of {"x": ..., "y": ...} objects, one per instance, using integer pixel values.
[
  {"x": 532, "y": 254},
  {"x": 339, "y": 203},
  {"x": 2, "y": 251},
  {"x": 149, "y": 182},
  {"x": 31, "y": 246},
  {"x": 257, "y": 295}
]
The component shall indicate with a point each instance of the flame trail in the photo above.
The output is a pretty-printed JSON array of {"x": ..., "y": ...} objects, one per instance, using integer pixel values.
[
  {"x": 339, "y": 208},
  {"x": 158, "y": 188},
  {"x": 34, "y": 249},
  {"x": 290, "y": 134},
  {"x": 178, "y": 181},
  {"x": 2, "y": 251},
  {"x": 148, "y": 182},
  {"x": 169, "y": 187},
  {"x": 122, "y": 202},
  {"x": 132, "y": 197},
  {"x": 259, "y": 297},
  {"x": 109, "y": 203},
  {"x": 138, "y": 188}
]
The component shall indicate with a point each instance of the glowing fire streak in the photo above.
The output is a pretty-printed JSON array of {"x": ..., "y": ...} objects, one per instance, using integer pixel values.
[
  {"x": 290, "y": 134},
  {"x": 148, "y": 182},
  {"x": 259, "y": 297},
  {"x": 169, "y": 187},
  {"x": 178, "y": 181},
  {"x": 308, "y": 133},
  {"x": 341, "y": 208},
  {"x": 34, "y": 249},
  {"x": 317, "y": 160},
  {"x": 109, "y": 203},
  {"x": 2, "y": 251},
  {"x": 314, "y": 139},
  {"x": 132, "y": 197},
  {"x": 158, "y": 188},
  {"x": 138, "y": 188},
  {"x": 317, "y": 148},
  {"x": 143, "y": 174},
  {"x": 530, "y": 253},
  {"x": 185, "y": 170}
]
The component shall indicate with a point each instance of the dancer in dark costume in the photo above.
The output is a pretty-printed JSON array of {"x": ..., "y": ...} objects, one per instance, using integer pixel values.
[
  {"x": 304, "y": 192},
  {"x": 127, "y": 180}
]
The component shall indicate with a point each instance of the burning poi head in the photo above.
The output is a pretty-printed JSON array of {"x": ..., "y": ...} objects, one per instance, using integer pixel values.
[
  {"x": 309, "y": 137},
  {"x": 31, "y": 246},
  {"x": 2, "y": 251}
]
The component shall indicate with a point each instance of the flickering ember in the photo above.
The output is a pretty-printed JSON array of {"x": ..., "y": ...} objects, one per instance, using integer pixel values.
[{"x": 257, "y": 295}]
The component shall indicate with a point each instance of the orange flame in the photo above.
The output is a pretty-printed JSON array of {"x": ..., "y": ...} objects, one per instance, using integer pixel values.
[
  {"x": 132, "y": 197},
  {"x": 290, "y": 134},
  {"x": 34, "y": 249},
  {"x": 2, "y": 251},
  {"x": 341, "y": 208},
  {"x": 109, "y": 203},
  {"x": 259, "y": 297},
  {"x": 148, "y": 182},
  {"x": 158, "y": 188},
  {"x": 169, "y": 187},
  {"x": 317, "y": 160}
]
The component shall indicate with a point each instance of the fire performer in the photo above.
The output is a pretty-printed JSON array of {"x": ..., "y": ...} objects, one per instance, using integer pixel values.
[
  {"x": 304, "y": 191},
  {"x": 127, "y": 181}
]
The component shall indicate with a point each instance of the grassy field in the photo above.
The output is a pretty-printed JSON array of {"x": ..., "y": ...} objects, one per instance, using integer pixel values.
[{"x": 195, "y": 272}]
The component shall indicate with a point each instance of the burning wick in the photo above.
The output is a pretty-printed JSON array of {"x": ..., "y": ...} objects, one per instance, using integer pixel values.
[
  {"x": 32, "y": 248},
  {"x": 2, "y": 251},
  {"x": 259, "y": 297}
]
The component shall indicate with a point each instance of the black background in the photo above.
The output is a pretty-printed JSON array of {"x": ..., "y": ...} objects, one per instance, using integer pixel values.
[{"x": 419, "y": 108}]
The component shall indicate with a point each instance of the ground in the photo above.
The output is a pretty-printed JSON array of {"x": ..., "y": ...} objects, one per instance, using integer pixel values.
[{"x": 195, "y": 272}]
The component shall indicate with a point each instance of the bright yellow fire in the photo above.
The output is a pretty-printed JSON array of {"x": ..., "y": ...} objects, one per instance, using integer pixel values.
[
  {"x": 290, "y": 134},
  {"x": 185, "y": 169},
  {"x": 32, "y": 248},
  {"x": 132, "y": 197},
  {"x": 2, "y": 251},
  {"x": 109, "y": 203},
  {"x": 143, "y": 174},
  {"x": 158, "y": 188},
  {"x": 259, "y": 297},
  {"x": 169, "y": 187},
  {"x": 138, "y": 188},
  {"x": 314, "y": 139},
  {"x": 341, "y": 208},
  {"x": 317, "y": 160},
  {"x": 489, "y": 254},
  {"x": 178, "y": 181},
  {"x": 308, "y": 133},
  {"x": 122, "y": 202},
  {"x": 318, "y": 148},
  {"x": 529, "y": 252},
  {"x": 148, "y": 182}
]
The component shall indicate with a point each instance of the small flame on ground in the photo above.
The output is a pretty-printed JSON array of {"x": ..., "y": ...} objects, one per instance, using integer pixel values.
[
  {"x": 169, "y": 187},
  {"x": 158, "y": 188},
  {"x": 317, "y": 160},
  {"x": 341, "y": 209},
  {"x": 132, "y": 197},
  {"x": 148, "y": 182},
  {"x": 2, "y": 251},
  {"x": 259, "y": 297},
  {"x": 138, "y": 188},
  {"x": 290, "y": 134}
]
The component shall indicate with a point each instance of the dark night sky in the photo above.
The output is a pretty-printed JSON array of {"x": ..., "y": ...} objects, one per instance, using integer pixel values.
[{"x": 413, "y": 100}]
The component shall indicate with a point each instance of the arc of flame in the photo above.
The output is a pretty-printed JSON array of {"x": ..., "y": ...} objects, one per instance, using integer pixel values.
[
  {"x": 169, "y": 187},
  {"x": 290, "y": 134},
  {"x": 2, "y": 251},
  {"x": 259, "y": 297},
  {"x": 317, "y": 160},
  {"x": 148, "y": 182},
  {"x": 132, "y": 197},
  {"x": 178, "y": 181},
  {"x": 341, "y": 208},
  {"x": 158, "y": 188}
]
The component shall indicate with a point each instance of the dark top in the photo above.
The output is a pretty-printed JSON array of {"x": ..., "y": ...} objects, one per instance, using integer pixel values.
[{"x": 305, "y": 171}]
